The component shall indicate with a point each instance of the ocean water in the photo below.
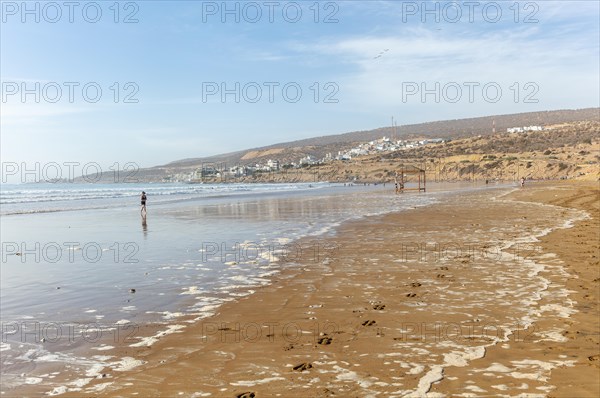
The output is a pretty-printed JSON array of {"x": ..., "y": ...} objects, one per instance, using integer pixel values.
[
  {"x": 48, "y": 197},
  {"x": 80, "y": 263}
]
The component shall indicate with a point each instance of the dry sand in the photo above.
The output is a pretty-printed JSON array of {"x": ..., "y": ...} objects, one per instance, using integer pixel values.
[{"x": 456, "y": 299}]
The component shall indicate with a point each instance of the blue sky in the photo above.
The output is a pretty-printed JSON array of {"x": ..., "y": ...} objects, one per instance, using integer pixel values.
[{"x": 366, "y": 58}]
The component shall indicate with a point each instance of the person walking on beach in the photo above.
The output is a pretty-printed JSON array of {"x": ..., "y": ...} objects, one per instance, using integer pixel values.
[{"x": 143, "y": 199}]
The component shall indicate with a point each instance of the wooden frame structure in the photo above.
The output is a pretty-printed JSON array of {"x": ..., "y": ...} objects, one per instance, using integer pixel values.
[{"x": 407, "y": 171}]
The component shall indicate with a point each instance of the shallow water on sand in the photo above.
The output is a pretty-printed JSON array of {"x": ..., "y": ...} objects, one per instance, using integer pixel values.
[{"x": 74, "y": 280}]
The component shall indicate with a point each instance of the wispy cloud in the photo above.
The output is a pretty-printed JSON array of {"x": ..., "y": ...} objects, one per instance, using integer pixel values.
[
  {"x": 32, "y": 114},
  {"x": 418, "y": 54},
  {"x": 172, "y": 52}
]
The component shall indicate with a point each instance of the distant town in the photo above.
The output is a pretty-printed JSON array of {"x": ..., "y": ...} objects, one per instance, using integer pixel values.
[
  {"x": 211, "y": 170},
  {"x": 219, "y": 170}
]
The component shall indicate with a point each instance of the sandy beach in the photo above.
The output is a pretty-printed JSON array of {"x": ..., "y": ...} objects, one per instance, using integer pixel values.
[
  {"x": 489, "y": 293},
  {"x": 328, "y": 199},
  {"x": 578, "y": 247}
]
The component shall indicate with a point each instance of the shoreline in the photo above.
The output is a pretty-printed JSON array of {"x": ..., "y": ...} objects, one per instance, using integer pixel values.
[
  {"x": 308, "y": 322},
  {"x": 581, "y": 254},
  {"x": 38, "y": 370}
]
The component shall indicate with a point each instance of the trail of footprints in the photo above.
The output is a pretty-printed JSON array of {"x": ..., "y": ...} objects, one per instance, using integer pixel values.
[
  {"x": 377, "y": 306},
  {"x": 414, "y": 284},
  {"x": 327, "y": 340}
]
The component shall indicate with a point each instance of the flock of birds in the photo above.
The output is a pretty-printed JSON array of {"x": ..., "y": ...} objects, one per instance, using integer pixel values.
[{"x": 381, "y": 53}]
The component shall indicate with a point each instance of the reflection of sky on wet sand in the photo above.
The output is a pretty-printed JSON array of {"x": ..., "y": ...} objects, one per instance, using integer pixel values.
[{"x": 172, "y": 264}]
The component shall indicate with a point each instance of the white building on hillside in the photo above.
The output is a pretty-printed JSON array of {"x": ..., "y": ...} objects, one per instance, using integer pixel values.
[
  {"x": 524, "y": 129},
  {"x": 273, "y": 164}
]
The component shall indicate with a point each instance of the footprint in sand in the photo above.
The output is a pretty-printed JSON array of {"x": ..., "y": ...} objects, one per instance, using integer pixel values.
[
  {"x": 411, "y": 295},
  {"x": 303, "y": 366},
  {"x": 444, "y": 268},
  {"x": 368, "y": 323},
  {"x": 248, "y": 394},
  {"x": 379, "y": 307},
  {"x": 440, "y": 276},
  {"x": 416, "y": 284},
  {"x": 594, "y": 358},
  {"x": 288, "y": 347},
  {"x": 325, "y": 340}
]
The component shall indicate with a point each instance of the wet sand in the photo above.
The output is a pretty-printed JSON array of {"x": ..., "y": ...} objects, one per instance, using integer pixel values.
[
  {"x": 482, "y": 295},
  {"x": 579, "y": 248}
]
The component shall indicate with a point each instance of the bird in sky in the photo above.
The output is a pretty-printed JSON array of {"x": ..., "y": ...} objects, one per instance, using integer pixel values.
[{"x": 381, "y": 53}]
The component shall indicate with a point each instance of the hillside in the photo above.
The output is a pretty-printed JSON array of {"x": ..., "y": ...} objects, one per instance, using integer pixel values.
[
  {"x": 460, "y": 128},
  {"x": 474, "y": 136},
  {"x": 567, "y": 150}
]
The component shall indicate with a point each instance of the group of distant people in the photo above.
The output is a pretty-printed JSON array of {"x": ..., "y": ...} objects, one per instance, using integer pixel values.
[
  {"x": 521, "y": 183},
  {"x": 398, "y": 184}
]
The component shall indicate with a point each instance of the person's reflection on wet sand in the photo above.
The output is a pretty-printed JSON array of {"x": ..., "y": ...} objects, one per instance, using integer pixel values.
[{"x": 144, "y": 226}]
